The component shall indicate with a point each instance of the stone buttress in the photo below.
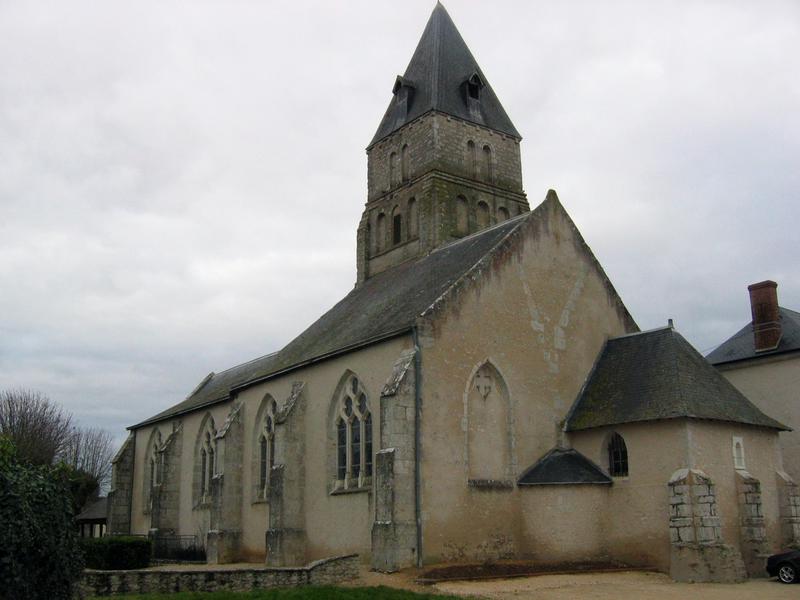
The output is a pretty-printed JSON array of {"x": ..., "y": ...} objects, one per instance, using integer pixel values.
[{"x": 120, "y": 496}]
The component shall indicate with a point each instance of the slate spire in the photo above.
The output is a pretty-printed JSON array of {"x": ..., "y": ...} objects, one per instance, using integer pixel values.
[{"x": 443, "y": 76}]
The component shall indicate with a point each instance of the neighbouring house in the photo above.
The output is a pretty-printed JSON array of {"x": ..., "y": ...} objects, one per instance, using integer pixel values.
[
  {"x": 762, "y": 360},
  {"x": 91, "y": 521},
  {"x": 481, "y": 393}
]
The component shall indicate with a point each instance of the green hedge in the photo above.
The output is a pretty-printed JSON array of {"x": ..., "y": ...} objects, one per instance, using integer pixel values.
[
  {"x": 116, "y": 552},
  {"x": 39, "y": 553}
]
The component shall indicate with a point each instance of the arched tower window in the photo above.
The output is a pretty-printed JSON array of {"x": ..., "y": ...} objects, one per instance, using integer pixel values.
[
  {"x": 380, "y": 233},
  {"x": 488, "y": 165},
  {"x": 502, "y": 214},
  {"x": 353, "y": 427},
  {"x": 413, "y": 219},
  {"x": 397, "y": 226},
  {"x": 404, "y": 163},
  {"x": 482, "y": 215},
  {"x": 617, "y": 456},
  {"x": 265, "y": 435},
  {"x": 462, "y": 216},
  {"x": 392, "y": 169},
  {"x": 472, "y": 160}
]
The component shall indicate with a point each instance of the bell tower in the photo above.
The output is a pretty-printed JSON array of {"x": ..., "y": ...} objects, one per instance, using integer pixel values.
[{"x": 445, "y": 160}]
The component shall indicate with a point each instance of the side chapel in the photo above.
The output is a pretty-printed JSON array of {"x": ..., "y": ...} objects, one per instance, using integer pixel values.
[{"x": 482, "y": 392}]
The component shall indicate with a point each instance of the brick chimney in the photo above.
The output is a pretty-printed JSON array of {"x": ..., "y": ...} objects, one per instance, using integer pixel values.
[{"x": 766, "y": 317}]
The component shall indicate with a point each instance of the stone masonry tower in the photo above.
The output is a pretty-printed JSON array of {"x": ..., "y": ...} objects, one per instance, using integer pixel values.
[{"x": 445, "y": 160}]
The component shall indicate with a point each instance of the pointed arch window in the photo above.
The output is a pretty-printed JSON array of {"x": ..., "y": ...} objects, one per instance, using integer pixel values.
[
  {"x": 266, "y": 446},
  {"x": 617, "y": 456},
  {"x": 353, "y": 427},
  {"x": 155, "y": 466},
  {"x": 205, "y": 462}
]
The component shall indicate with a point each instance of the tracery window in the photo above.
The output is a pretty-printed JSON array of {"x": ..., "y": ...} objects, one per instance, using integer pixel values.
[
  {"x": 155, "y": 466},
  {"x": 206, "y": 465},
  {"x": 266, "y": 448},
  {"x": 617, "y": 456},
  {"x": 353, "y": 425}
]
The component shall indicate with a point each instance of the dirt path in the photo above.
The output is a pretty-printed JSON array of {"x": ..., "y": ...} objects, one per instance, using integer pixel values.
[{"x": 616, "y": 586}]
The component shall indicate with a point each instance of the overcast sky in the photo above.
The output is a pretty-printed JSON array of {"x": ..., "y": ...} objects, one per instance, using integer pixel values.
[{"x": 181, "y": 182}]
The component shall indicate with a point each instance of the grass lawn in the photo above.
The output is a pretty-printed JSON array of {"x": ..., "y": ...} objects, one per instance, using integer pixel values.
[{"x": 299, "y": 593}]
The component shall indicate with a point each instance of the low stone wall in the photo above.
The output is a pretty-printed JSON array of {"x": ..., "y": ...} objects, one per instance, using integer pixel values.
[{"x": 322, "y": 572}]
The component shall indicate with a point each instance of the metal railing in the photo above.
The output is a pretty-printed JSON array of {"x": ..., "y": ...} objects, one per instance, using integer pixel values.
[{"x": 178, "y": 547}]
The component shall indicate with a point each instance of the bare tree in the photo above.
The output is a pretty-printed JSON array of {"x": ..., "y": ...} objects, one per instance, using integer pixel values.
[
  {"x": 39, "y": 428},
  {"x": 90, "y": 449}
]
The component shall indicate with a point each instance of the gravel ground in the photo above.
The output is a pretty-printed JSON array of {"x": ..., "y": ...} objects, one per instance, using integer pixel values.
[{"x": 617, "y": 586}]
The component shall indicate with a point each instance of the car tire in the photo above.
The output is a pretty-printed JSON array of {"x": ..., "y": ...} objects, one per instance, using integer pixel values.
[{"x": 787, "y": 573}]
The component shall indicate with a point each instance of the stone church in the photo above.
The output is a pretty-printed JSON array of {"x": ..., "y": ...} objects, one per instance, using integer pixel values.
[{"x": 482, "y": 393}]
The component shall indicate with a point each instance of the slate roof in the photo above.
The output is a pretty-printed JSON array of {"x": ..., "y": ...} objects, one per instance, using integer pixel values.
[
  {"x": 384, "y": 306},
  {"x": 741, "y": 345},
  {"x": 96, "y": 511},
  {"x": 657, "y": 375},
  {"x": 563, "y": 466},
  {"x": 438, "y": 70}
]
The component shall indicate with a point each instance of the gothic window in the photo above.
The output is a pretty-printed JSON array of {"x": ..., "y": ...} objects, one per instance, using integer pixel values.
[
  {"x": 413, "y": 219},
  {"x": 489, "y": 434},
  {"x": 353, "y": 434},
  {"x": 462, "y": 216},
  {"x": 404, "y": 162},
  {"x": 472, "y": 159},
  {"x": 482, "y": 215},
  {"x": 380, "y": 233},
  {"x": 155, "y": 465},
  {"x": 488, "y": 166},
  {"x": 502, "y": 214},
  {"x": 397, "y": 226},
  {"x": 205, "y": 461},
  {"x": 738, "y": 453},
  {"x": 617, "y": 456},
  {"x": 474, "y": 85},
  {"x": 265, "y": 437}
]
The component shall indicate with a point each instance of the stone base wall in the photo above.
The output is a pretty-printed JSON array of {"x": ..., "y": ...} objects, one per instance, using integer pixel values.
[
  {"x": 322, "y": 572},
  {"x": 716, "y": 563}
]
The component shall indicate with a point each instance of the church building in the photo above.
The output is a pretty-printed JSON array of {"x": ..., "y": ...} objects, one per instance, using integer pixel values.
[{"x": 482, "y": 393}]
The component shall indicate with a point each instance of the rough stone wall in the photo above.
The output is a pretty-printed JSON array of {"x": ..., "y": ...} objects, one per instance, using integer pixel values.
[
  {"x": 753, "y": 532},
  {"x": 120, "y": 496},
  {"x": 286, "y": 537},
  {"x": 223, "y": 538},
  {"x": 394, "y": 532},
  {"x": 789, "y": 510},
  {"x": 166, "y": 496},
  {"x": 439, "y": 171},
  {"x": 698, "y": 553},
  {"x": 112, "y": 583}
]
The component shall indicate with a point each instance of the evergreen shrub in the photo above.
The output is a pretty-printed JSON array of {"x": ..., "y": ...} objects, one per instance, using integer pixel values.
[{"x": 117, "y": 552}]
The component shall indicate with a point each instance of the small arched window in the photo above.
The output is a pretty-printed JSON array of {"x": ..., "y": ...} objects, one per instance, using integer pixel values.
[
  {"x": 404, "y": 163},
  {"x": 353, "y": 425},
  {"x": 502, "y": 214},
  {"x": 413, "y": 219},
  {"x": 397, "y": 226},
  {"x": 380, "y": 233},
  {"x": 482, "y": 215},
  {"x": 392, "y": 169},
  {"x": 266, "y": 447},
  {"x": 488, "y": 165},
  {"x": 738, "y": 453},
  {"x": 617, "y": 456},
  {"x": 472, "y": 160},
  {"x": 462, "y": 216}
]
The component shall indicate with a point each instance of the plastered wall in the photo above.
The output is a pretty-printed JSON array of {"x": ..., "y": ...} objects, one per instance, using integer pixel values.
[{"x": 551, "y": 311}]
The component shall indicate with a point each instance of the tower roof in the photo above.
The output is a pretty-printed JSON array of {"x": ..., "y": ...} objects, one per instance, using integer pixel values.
[{"x": 443, "y": 76}]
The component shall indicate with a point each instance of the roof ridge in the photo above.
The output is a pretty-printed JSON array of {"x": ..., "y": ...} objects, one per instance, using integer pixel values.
[{"x": 627, "y": 335}]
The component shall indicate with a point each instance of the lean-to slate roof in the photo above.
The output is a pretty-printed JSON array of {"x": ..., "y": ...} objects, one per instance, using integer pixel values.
[
  {"x": 96, "y": 511},
  {"x": 657, "y": 375},
  {"x": 741, "y": 345},
  {"x": 563, "y": 466},
  {"x": 438, "y": 70},
  {"x": 385, "y": 305}
]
